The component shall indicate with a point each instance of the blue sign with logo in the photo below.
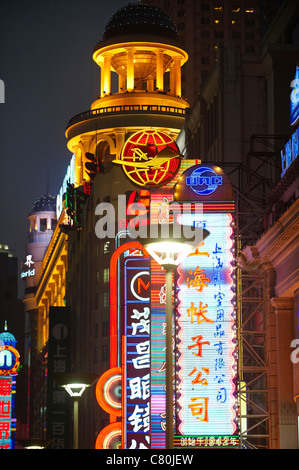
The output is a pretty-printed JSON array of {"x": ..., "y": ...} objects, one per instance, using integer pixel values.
[{"x": 204, "y": 181}]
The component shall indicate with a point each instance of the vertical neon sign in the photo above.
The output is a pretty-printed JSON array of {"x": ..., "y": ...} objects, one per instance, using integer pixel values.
[
  {"x": 160, "y": 200},
  {"x": 9, "y": 364},
  {"x": 5, "y": 412}
]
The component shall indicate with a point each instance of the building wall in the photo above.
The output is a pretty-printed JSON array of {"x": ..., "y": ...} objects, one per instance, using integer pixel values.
[{"x": 205, "y": 26}]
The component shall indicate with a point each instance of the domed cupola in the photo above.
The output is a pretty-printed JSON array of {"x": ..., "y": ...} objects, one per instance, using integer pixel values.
[
  {"x": 142, "y": 20},
  {"x": 7, "y": 338},
  {"x": 45, "y": 203}
]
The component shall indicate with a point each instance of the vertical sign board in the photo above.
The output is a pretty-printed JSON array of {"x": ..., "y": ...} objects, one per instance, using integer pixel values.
[
  {"x": 58, "y": 402},
  {"x": 160, "y": 213},
  {"x": 291, "y": 148},
  {"x": 9, "y": 364},
  {"x": 136, "y": 354},
  {"x": 294, "y": 101},
  {"x": 206, "y": 341}
]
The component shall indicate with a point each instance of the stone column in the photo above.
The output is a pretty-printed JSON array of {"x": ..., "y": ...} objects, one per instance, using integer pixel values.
[
  {"x": 171, "y": 79},
  {"x": 287, "y": 414},
  {"x": 106, "y": 75},
  {"x": 121, "y": 84},
  {"x": 150, "y": 86}
]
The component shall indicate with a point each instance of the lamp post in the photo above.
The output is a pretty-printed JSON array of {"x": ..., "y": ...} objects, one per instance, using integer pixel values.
[
  {"x": 169, "y": 251},
  {"x": 75, "y": 385}
]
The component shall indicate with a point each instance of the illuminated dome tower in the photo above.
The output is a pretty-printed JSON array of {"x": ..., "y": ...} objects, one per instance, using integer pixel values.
[{"x": 140, "y": 46}]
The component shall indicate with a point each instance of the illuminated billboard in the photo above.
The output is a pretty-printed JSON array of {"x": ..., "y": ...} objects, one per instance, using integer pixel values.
[
  {"x": 206, "y": 400},
  {"x": 205, "y": 374},
  {"x": 204, "y": 316},
  {"x": 6, "y": 406},
  {"x": 9, "y": 366}
]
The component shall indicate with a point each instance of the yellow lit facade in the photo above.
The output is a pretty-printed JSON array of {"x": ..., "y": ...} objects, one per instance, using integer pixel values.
[{"x": 51, "y": 287}]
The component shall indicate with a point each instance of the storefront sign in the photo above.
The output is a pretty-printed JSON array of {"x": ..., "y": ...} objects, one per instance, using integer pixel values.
[{"x": 205, "y": 373}]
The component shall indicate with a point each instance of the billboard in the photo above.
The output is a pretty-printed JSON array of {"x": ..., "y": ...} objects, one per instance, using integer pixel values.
[{"x": 205, "y": 354}]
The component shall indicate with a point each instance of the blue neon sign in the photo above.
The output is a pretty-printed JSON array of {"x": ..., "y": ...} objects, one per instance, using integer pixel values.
[{"x": 204, "y": 181}]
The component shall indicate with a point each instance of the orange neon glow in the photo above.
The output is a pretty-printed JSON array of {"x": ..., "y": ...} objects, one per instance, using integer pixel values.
[
  {"x": 109, "y": 437},
  {"x": 106, "y": 391}
]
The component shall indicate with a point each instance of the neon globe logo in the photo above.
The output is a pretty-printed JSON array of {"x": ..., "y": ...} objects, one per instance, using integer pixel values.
[{"x": 204, "y": 181}]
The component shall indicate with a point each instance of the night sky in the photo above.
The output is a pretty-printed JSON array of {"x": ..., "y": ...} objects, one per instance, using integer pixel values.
[{"x": 49, "y": 74}]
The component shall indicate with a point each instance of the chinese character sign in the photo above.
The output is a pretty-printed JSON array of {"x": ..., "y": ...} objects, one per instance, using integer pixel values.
[
  {"x": 5, "y": 412},
  {"x": 205, "y": 394},
  {"x": 136, "y": 367}
]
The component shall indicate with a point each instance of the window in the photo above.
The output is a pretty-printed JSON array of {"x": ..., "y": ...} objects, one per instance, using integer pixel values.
[
  {"x": 205, "y": 33},
  {"x": 53, "y": 224},
  {"x": 106, "y": 299},
  {"x": 249, "y": 22},
  {"x": 107, "y": 248},
  {"x": 250, "y": 49},
  {"x": 236, "y": 34},
  {"x": 250, "y": 35},
  {"x": 96, "y": 301}
]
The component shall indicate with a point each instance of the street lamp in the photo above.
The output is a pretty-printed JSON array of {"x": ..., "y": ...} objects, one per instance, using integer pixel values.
[
  {"x": 169, "y": 251},
  {"x": 75, "y": 385}
]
